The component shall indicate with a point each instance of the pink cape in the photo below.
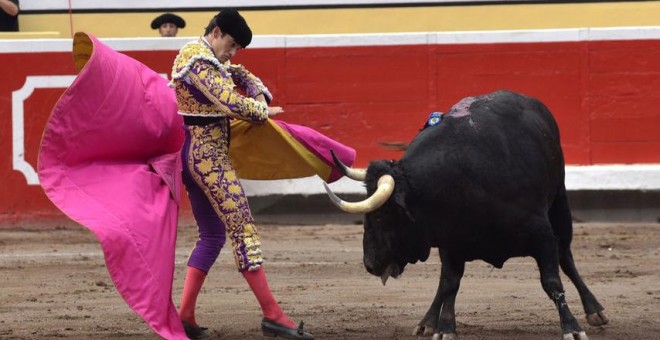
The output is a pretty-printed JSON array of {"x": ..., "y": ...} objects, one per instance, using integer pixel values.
[{"x": 109, "y": 159}]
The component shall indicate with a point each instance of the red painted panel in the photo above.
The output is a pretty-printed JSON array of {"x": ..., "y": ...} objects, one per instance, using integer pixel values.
[
  {"x": 550, "y": 72},
  {"x": 357, "y": 74},
  {"x": 17, "y": 197},
  {"x": 625, "y": 84},
  {"x": 624, "y": 129},
  {"x": 634, "y": 56},
  {"x": 159, "y": 61},
  {"x": 625, "y": 152},
  {"x": 624, "y": 78},
  {"x": 603, "y": 95}
]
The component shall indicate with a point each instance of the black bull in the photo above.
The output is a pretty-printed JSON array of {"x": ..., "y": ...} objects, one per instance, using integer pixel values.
[{"x": 486, "y": 183}]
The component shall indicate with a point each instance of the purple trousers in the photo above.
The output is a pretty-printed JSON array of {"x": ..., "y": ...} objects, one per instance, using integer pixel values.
[
  {"x": 211, "y": 229},
  {"x": 218, "y": 201}
]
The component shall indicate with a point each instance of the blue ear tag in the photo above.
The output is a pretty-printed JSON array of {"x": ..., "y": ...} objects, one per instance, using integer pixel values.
[{"x": 434, "y": 119}]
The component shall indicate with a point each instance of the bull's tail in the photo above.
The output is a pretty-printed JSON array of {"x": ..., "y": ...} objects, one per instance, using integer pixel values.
[{"x": 561, "y": 219}]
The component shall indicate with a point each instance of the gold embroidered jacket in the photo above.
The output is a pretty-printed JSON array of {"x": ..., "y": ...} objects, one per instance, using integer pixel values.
[{"x": 206, "y": 87}]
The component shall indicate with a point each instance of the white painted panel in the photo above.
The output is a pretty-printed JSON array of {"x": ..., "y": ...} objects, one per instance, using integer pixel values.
[
  {"x": 368, "y": 39},
  {"x": 164, "y": 4}
]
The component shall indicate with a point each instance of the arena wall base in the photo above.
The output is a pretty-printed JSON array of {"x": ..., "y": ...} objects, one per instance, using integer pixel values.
[{"x": 615, "y": 206}]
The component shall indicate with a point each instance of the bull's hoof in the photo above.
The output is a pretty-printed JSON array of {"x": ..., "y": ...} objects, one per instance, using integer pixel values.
[
  {"x": 422, "y": 331},
  {"x": 597, "y": 319},
  {"x": 576, "y": 336},
  {"x": 445, "y": 336}
]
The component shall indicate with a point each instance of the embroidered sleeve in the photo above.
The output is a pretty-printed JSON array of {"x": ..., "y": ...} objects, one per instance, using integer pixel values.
[
  {"x": 219, "y": 89},
  {"x": 250, "y": 83}
]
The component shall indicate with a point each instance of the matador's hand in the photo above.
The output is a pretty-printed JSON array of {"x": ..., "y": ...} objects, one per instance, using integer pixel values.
[{"x": 274, "y": 110}]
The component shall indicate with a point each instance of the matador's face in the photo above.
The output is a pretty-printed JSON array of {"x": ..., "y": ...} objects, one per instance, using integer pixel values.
[{"x": 224, "y": 46}]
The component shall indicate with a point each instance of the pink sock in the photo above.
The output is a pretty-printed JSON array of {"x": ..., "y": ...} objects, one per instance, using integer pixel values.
[
  {"x": 191, "y": 287},
  {"x": 257, "y": 281}
]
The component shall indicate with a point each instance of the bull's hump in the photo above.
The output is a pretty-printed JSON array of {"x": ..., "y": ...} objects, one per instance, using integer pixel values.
[{"x": 462, "y": 108}]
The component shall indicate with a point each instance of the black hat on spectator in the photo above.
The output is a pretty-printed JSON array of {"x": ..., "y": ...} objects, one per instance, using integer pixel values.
[
  {"x": 232, "y": 23},
  {"x": 168, "y": 17}
]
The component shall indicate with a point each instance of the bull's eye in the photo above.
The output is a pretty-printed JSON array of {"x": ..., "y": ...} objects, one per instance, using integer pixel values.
[{"x": 377, "y": 218}]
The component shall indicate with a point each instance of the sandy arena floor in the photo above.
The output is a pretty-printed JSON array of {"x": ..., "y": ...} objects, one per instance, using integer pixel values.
[{"x": 53, "y": 284}]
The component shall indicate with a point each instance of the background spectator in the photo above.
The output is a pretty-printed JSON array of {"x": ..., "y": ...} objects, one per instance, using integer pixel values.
[
  {"x": 168, "y": 24},
  {"x": 9, "y": 15}
]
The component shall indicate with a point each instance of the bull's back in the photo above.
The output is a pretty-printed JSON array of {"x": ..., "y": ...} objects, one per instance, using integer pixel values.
[{"x": 490, "y": 154}]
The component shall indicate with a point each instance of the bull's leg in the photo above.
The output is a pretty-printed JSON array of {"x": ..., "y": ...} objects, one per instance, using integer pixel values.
[
  {"x": 562, "y": 225},
  {"x": 440, "y": 319},
  {"x": 593, "y": 309},
  {"x": 429, "y": 322},
  {"x": 547, "y": 260}
]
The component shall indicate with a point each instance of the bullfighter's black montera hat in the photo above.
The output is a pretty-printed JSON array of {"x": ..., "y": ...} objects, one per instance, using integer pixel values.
[
  {"x": 168, "y": 17},
  {"x": 232, "y": 23}
]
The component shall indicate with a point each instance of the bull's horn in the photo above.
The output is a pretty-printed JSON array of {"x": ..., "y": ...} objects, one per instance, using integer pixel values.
[
  {"x": 375, "y": 201},
  {"x": 356, "y": 174}
]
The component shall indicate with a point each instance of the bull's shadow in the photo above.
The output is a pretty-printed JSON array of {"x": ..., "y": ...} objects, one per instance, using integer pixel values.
[{"x": 486, "y": 182}]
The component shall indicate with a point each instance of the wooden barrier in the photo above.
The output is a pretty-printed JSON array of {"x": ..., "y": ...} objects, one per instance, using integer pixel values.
[{"x": 601, "y": 85}]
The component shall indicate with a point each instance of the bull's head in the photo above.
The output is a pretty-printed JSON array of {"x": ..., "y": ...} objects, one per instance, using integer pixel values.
[{"x": 387, "y": 222}]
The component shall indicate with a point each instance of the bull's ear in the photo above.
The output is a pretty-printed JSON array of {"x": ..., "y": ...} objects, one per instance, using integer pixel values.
[{"x": 400, "y": 200}]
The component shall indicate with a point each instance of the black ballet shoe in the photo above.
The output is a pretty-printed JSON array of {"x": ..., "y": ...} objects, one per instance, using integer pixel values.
[
  {"x": 193, "y": 332},
  {"x": 270, "y": 328}
]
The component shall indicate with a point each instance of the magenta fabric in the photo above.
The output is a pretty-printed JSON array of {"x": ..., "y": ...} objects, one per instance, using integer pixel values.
[
  {"x": 109, "y": 159},
  {"x": 320, "y": 145}
]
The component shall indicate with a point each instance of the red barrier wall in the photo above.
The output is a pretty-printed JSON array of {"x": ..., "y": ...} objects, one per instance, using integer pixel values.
[{"x": 603, "y": 94}]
